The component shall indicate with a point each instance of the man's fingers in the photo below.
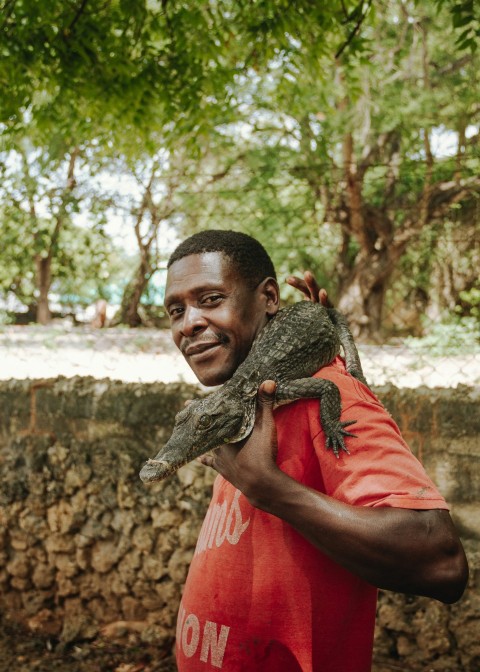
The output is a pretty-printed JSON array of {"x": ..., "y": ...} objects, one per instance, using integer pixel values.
[
  {"x": 312, "y": 285},
  {"x": 266, "y": 393},
  {"x": 318, "y": 293},
  {"x": 324, "y": 300},
  {"x": 299, "y": 284},
  {"x": 310, "y": 288},
  {"x": 206, "y": 460}
]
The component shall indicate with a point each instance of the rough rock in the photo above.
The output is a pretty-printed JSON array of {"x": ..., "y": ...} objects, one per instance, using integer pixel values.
[{"x": 86, "y": 547}]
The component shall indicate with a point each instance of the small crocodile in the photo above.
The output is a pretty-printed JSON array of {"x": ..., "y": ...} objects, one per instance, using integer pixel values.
[{"x": 292, "y": 346}]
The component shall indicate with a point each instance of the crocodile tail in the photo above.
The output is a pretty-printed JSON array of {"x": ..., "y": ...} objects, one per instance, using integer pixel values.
[{"x": 352, "y": 358}]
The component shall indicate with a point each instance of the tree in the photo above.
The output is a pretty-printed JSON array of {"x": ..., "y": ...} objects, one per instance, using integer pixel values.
[
  {"x": 147, "y": 63},
  {"x": 339, "y": 131},
  {"x": 23, "y": 203},
  {"x": 156, "y": 206},
  {"x": 359, "y": 154},
  {"x": 384, "y": 208},
  {"x": 42, "y": 198},
  {"x": 165, "y": 63},
  {"x": 121, "y": 75}
]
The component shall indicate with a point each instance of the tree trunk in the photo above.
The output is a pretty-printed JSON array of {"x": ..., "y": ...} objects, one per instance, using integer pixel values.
[
  {"x": 44, "y": 280},
  {"x": 363, "y": 292},
  {"x": 128, "y": 311},
  {"x": 43, "y": 259}
]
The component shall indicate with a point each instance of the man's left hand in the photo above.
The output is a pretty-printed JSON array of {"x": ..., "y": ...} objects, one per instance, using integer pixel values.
[{"x": 310, "y": 288}]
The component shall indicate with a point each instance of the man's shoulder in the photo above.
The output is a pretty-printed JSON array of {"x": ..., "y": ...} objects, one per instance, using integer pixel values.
[{"x": 351, "y": 389}]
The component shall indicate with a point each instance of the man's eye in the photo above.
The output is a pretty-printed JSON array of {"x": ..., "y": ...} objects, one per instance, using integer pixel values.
[
  {"x": 212, "y": 298},
  {"x": 175, "y": 310}
]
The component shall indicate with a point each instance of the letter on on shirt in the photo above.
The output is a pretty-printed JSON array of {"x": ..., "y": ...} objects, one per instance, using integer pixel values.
[{"x": 213, "y": 642}]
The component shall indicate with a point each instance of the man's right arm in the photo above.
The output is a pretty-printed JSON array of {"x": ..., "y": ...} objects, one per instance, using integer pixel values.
[{"x": 405, "y": 550}]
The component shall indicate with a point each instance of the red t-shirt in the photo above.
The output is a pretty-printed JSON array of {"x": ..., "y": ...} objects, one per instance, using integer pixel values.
[{"x": 259, "y": 597}]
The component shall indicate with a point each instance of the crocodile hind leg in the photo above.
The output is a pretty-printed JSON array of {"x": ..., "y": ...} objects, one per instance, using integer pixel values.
[{"x": 330, "y": 407}]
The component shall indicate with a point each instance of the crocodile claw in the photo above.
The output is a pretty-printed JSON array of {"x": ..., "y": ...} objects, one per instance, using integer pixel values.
[{"x": 335, "y": 434}]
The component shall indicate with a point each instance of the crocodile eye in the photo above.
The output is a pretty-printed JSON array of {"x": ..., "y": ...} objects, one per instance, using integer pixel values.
[{"x": 204, "y": 421}]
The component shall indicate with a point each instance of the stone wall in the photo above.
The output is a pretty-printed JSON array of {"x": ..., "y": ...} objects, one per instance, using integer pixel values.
[
  {"x": 442, "y": 426},
  {"x": 87, "y": 549}
]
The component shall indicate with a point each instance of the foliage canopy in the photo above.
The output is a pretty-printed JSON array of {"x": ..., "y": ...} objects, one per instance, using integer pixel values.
[{"x": 310, "y": 125}]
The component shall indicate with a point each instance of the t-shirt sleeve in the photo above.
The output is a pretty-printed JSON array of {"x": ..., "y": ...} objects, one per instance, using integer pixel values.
[{"x": 380, "y": 469}]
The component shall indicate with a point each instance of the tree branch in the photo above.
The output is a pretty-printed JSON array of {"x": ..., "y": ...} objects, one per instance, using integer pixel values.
[
  {"x": 223, "y": 173},
  {"x": 427, "y": 185},
  {"x": 361, "y": 19},
  {"x": 80, "y": 10},
  {"x": 440, "y": 199},
  {"x": 453, "y": 67},
  {"x": 70, "y": 186},
  {"x": 144, "y": 206}
]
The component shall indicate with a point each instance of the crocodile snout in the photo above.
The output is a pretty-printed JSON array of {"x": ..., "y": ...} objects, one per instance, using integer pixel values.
[{"x": 155, "y": 470}]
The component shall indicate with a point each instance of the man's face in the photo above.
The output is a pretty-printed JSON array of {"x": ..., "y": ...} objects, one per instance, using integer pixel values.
[{"x": 214, "y": 315}]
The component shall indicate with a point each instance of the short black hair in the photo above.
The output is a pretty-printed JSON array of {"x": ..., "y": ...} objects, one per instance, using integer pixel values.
[{"x": 249, "y": 256}]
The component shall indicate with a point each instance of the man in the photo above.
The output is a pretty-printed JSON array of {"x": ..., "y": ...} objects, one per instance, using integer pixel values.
[{"x": 295, "y": 541}]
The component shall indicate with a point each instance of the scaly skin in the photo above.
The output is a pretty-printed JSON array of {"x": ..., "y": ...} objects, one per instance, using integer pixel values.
[{"x": 297, "y": 342}]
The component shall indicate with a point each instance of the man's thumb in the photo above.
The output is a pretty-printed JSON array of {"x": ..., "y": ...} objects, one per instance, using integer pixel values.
[{"x": 266, "y": 393}]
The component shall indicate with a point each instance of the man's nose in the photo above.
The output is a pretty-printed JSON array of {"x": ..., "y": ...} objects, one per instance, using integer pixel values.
[{"x": 193, "y": 321}]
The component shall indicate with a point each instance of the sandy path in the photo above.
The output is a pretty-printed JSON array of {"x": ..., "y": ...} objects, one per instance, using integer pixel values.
[{"x": 148, "y": 355}]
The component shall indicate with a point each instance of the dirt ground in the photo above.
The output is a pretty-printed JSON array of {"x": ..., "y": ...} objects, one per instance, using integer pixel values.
[{"x": 22, "y": 651}]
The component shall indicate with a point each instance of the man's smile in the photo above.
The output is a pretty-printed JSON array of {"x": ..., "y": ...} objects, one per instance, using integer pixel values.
[{"x": 197, "y": 349}]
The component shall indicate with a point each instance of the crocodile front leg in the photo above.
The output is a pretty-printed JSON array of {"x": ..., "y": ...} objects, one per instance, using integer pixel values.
[{"x": 330, "y": 407}]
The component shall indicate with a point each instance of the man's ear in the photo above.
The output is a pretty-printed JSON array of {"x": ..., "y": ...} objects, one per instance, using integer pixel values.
[{"x": 271, "y": 293}]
